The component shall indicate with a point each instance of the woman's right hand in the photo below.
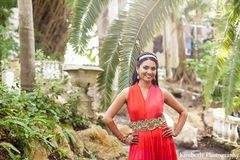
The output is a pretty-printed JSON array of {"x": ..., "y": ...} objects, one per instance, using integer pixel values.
[{"x": 131, "y": 139}]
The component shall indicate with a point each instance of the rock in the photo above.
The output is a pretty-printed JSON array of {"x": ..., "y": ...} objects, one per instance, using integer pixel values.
[
  {"x": 78, "y": 146},
  {"x": 39, "y": 152},
  {"x": 194, "y": 118},
  {"x": 187, "y": 137},
  {"x": 210, "y": 114},
  {"x": 98, "y": 143},
  {"x": 236, "y": 153},
  {"x": 62, "y": 143}
]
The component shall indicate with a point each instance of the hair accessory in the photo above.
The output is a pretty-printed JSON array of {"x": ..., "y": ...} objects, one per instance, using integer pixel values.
[{"x": 147, "y": 56}]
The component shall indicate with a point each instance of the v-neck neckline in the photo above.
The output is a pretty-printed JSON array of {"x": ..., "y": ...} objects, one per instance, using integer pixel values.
[{"x": 144, "y": 99}]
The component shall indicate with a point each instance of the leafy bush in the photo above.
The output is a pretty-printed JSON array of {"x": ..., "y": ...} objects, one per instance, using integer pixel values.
[
  {"x": 28, "y": 117},
  {"x": 200, "y": 65}
]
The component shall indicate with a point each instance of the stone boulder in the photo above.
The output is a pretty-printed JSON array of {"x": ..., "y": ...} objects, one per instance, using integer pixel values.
[
  {"x": 187, "y": 137},
  {"x": 210, "y": 114},
  {"x": 97, "y": 142}
]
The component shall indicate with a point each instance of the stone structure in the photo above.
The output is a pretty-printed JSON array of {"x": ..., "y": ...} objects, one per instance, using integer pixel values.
[{"x": 84, "y": 77}]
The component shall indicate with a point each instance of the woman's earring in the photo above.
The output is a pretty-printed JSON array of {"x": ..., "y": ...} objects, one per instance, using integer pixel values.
[{"x": 137, "y": 76}]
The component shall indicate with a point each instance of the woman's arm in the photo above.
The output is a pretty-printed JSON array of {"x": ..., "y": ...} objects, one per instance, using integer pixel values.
[
  {"x": 178, "y": 107},
  {"x": 112, "y": 111}
]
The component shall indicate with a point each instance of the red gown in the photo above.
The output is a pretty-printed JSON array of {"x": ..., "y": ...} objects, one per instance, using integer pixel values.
[{"x": 152, "y": 145}]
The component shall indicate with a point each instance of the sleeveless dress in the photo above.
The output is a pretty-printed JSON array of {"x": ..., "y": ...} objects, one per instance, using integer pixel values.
[{"x": 152, "y": 145}]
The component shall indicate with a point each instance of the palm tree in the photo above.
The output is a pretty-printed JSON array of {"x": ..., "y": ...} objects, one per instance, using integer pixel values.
[
  {"x": 226, "y": 63},
  {"x": 127, "y": 36},
  {"x": 27, "y": 48},
  {"x": 129, "y": 33}
]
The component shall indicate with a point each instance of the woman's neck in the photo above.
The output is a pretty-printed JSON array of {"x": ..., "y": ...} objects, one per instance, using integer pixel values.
[{"x": 144, "y": 84}]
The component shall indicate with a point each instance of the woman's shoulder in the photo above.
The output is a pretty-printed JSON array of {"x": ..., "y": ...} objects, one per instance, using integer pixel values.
[
  {"x": 165, "y": 92},
  {"x": 125, "y": 91}
]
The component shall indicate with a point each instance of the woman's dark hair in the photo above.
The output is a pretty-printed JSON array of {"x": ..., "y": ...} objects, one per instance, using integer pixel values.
[{"x": 140, "y": 61}]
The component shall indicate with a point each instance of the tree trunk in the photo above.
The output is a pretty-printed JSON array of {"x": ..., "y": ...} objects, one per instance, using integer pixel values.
[
  {"x": 170, "y": 46},
  {"x": 51, "y": 23},
  {"x": 27, "y": 48},
  {"x": 102, "y": 26},
  {"x": 182, "y": 74}
]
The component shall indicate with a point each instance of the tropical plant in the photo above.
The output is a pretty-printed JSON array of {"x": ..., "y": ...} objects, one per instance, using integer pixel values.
[
  {"x": 226, "y": 61},
  {"x": 28, "y": 118},
  {"x": 85, "y": 14},
  {"x": 127, "y": 36}
]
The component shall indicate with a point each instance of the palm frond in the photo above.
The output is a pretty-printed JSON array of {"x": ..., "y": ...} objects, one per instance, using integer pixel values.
[
  {"x": 109, "y": 57},
  {"x": 218, "y": 61},
  {"x": 84, "y": 18},
  {"x": 79, "y": 9},
  {"x": 232, "y": 27},
  {"x": 232, "y": 80},
  {"x": 145, "y": 19},
  {"x": 214, "y": 71}
]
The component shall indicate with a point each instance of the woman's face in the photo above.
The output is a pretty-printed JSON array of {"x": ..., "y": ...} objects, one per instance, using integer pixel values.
[{"x": 147, "y": 70}]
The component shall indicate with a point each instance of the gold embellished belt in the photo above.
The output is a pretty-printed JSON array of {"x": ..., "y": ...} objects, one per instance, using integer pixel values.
[{"x": 148, "y": 124}]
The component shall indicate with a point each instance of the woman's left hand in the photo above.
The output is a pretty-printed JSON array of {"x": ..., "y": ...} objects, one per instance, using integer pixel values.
[{"x": 167, "y": 132}]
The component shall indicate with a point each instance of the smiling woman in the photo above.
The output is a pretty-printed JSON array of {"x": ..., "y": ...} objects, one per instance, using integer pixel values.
[{"x": 151, "y": 138}]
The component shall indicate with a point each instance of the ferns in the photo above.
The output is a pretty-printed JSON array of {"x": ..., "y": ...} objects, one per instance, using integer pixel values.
[
  {"x": 27, "y": 118},
  {"x": 13, "y": 152}
]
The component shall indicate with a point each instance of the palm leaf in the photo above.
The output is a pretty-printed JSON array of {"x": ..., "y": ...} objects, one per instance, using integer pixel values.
[
  {"x": 79, "y": 9},
  {"x": 232, "y": 27},
  {"x": 84, "y": 21},
  {"x": 232, "y": 80},
  {"x": 218, "y": 61},
  {"x": 216, "y": 65},
  {"x": 145, "y": 19},
  {"x": 109, "y": 57}
]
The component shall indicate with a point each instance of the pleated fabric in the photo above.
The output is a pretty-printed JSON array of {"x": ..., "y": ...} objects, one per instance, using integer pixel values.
[{"x": 152, "y": 145}]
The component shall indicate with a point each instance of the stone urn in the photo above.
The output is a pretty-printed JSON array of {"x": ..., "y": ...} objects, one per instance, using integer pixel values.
[{"x": 84, "y": 77}]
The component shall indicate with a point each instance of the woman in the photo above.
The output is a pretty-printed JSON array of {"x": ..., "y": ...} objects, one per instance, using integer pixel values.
[{"x": 151, "y": 138}]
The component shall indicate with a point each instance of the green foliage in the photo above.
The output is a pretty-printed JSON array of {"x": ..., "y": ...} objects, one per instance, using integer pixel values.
[
  {"x": 85, "y": 14},
  {"x": 200, "y": 65},
  {"x": 236, "y": 102},
  {"x": 109, "y": 59},
  {"x": 226, "y": 61},
  {"x": 6, "y": 41},
  {"x": 41, "y": 56},
  {"x": 29, "y": 117},
  {"x": 7, "y": 44},
  {"x": 232, "y": 79},
  {"x": 8, "y": 3},
  {"x": 12, "y": 151}
]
